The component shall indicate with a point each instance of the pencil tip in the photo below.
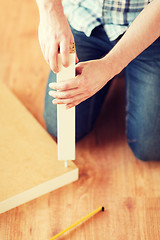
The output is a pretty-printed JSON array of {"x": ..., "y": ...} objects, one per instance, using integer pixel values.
[{"x": 103, "y": 209}]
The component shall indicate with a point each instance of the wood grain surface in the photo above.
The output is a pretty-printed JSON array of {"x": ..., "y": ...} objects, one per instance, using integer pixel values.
[
  {"x": 109, "y": 173},
  {"x": 29, "y": 163}
]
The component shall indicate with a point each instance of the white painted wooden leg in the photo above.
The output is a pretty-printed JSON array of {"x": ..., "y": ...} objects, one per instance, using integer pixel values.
[{"x": 66, "y": 118}]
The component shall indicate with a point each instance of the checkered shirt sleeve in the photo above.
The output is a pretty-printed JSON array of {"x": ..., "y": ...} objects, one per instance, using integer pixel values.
[{"x": 115, "y": 15}]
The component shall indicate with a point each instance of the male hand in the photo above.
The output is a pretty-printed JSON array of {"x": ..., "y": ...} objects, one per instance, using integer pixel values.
[
  {"x": 55, "y": 34},
  {"x": 92, "y": 76}
]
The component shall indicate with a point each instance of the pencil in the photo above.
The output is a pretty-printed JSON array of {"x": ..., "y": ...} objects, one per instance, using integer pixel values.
[{"x": 78, "y": 222}]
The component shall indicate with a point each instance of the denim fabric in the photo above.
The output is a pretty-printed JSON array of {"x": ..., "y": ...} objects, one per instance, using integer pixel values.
[
  {"x": 88, "y": 48},
  {"x": 142, "y": 78}
]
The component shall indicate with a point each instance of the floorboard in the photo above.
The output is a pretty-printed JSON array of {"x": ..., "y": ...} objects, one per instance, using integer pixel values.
[{"x": 109, "y": 173}]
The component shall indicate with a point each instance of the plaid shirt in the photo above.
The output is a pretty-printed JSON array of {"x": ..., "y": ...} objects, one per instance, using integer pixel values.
[{"x": 115, "y": 15}]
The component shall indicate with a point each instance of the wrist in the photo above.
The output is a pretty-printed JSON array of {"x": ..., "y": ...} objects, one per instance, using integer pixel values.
[
  {"x": 112, "y": 64},
  {"x": 50, "y": 8}
]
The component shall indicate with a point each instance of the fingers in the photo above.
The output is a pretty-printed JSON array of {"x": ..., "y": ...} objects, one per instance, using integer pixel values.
[
  {"x": 64, "y": 51},
  {"x": 65, "y": 85},
  {"x": 51, "y": 55},
  {"x": 74, "y": 103},
  {"x": 70, "y": 102},
  {"x": 77, "y": 60},
  {"x": 64, "y": 94},
  {"x": 68, "y": 92},
  {"x": 53, "y": 58}
]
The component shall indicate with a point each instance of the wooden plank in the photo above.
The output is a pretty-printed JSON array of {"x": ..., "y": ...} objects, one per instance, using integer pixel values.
[
  {"x": 66, "y": 118},
  {"x": 29, "y": 167},
  {"x": 109, "y": 173}
]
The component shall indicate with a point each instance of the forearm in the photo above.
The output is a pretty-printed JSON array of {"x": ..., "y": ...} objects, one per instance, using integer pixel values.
[
  {"x": 93, "y": 75},
  {"x": 142, "y": 33},
  {"x": 54, "y": 33}
]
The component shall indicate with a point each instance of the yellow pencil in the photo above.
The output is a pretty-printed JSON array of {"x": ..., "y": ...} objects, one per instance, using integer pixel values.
[{"x": 75, "y": 224}]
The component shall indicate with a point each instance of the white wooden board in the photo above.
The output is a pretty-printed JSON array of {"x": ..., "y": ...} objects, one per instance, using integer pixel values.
[{"x": 29, "y": 166}]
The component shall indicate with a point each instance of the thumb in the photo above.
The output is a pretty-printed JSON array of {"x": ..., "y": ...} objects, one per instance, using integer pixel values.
[{"x": 77, "y": 60}]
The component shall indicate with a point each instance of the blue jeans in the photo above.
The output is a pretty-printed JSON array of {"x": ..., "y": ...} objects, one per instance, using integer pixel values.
[{"x": 142, "y": 77}]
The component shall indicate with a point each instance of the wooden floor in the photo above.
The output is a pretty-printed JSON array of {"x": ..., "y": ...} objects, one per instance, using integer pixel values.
[{"x": 109, "y": 173}]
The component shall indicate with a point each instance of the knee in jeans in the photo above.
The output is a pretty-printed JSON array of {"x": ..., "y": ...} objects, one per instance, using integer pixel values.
[
  {"x": 51, "y": 128},
  {"x": 137, "y": 150},
  {"x": 143, "y": 150},
  {"x": 81, "y": 135}
]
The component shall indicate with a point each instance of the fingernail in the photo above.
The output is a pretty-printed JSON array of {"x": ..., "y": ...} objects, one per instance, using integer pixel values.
[
  {"x": 51, "y": 93},
  {"x": 67, "y": 107},
  {"x": 57, "y": 70},
  {"x": 54, "y": 101},
  {"x": 66, "y": 64},
  {"x": 51, "y": 85}
]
